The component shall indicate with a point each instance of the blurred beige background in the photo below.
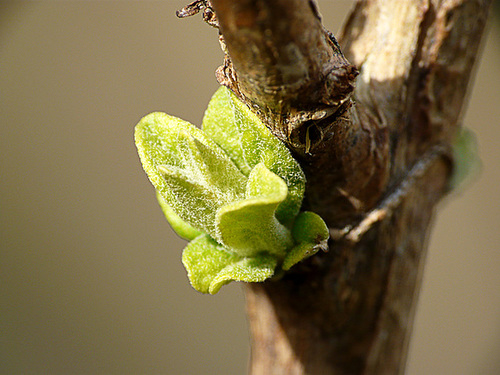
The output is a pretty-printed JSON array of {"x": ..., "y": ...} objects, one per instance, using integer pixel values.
[{"x": 91, "y": 280}]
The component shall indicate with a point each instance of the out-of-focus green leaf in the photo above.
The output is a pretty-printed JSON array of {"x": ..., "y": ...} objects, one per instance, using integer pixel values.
[{"x": 467, "y": 162}]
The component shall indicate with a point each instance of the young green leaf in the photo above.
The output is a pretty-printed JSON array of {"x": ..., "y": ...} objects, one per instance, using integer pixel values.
[
  {"x": 251, "y": 270},
  {"x": 183, "y": 229},
  {"x": 210, "y": 266},
  {"x": 190, "y": 171},
  {"x": 248, "y": 142},
  {"x": 233, "y": 189},
  {"x": 310, "y": 227},
  {"x": 310, "y": 234},
  {"x": 249, "y": 226}
]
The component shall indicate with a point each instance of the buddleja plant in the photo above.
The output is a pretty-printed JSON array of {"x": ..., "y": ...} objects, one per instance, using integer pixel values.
[{"x": 232, "y": 189}]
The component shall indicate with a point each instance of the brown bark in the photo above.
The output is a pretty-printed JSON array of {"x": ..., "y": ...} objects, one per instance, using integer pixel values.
[{"x": 377, "y": 162}]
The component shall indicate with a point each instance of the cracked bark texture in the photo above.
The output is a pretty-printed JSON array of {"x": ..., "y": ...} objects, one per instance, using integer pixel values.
[{"x": 376, "y": 157}]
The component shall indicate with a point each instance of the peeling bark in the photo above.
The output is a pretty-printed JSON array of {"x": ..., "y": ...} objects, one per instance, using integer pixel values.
[{"x": 377, "y": 160}]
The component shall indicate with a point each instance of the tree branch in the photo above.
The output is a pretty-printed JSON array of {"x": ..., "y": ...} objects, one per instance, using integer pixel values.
[
  {"x": 416, "y": 59},
  {"x": 279, "y": 70},
  {"x": 375, "y": 169}
]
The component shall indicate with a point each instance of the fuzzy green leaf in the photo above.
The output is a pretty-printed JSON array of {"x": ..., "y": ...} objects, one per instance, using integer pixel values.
[
  {"x": 233, "y": 189},
  {"x": 310, "y": 227},
  {"x": 180, "y": 227},
  {"x": 249, "y": 226},
  {"x": 248, "y": 142},
  {"x": 203, "y": 259},
  {"x": 311, "y": 235},
  {"x": 190, "y": 171},
  {"x": 210, "y": 266},
  {"x": 251, "y": 270}
]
